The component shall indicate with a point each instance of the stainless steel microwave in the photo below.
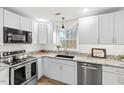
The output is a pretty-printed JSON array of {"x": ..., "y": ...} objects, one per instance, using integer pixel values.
[{"x": 11, "y": 35}]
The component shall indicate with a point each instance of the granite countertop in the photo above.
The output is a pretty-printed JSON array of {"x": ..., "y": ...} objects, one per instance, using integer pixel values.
[{"x": 85, "y": 58}]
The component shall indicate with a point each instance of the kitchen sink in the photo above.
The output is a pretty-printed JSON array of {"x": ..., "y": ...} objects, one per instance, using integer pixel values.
[{"x": 65, "y": 56}]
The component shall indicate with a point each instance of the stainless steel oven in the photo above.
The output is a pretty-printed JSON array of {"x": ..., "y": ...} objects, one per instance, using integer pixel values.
[
  {"x": 24, "y": 74},
  {"x": 16, "y": 36}
]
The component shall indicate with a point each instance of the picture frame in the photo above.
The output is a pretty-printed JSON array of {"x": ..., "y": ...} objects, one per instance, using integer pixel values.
[{"x": 98, "y": 52}]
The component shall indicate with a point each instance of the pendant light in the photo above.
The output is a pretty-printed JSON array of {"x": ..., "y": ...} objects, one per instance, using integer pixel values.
[{"x": 63, "y": 27}]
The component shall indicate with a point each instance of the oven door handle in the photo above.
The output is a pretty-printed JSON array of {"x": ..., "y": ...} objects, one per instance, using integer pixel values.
[
  {"x": 93, "y": 68},
  {"x": 19, "y": 66}
]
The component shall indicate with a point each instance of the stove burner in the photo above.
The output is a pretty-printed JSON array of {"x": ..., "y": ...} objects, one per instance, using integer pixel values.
[{"x": 17, "y": 61}]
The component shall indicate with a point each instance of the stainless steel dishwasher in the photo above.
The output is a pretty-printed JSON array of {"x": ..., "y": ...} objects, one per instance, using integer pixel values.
[{"x": 89, "y": 74}]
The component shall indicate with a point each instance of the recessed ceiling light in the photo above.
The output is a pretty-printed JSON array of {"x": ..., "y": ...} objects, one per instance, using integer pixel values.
[
  {"x": 42, "y": 20},
  {"x": 85, "y": 9}
]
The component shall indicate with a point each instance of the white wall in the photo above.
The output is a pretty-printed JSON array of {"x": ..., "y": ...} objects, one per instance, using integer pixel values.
[{"x": 27, "y": 47}]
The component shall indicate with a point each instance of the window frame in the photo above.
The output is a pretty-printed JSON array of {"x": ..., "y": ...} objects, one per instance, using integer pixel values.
[{"x": 77, "y": 39}]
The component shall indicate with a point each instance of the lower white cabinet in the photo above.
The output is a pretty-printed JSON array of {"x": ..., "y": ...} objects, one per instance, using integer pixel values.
[
  {"x": 112, "y": 79},
  {"x": 46, "y": 67},
  {"x": 40, "y": 67},
  {"x": 55, "y": 72},
  {"x": 61, "y": 70},
  {"x": 68, "y": 74},
  {"x": 113, "y": 76},
  {"x": 4, "y": 76}
]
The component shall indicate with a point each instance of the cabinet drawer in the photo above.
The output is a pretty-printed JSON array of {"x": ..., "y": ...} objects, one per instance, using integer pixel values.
[
  {"x": 113, "y": 70},
  {"x": 112, "y": 79},
  {"x": 62, "y": 61}
]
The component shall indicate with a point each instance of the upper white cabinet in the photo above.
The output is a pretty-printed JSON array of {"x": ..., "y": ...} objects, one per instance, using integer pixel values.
[
  {"x": 11, "y": 20},
  {"x": 89, "y": 30},
  {"x": 1, "y": 25},
  {"x": 50, "y": 33},
  {"x": 106, "y": 28},
  {"x": 35, "y": 32},
  {"x": 42, "y": 35},
  {"x": 119, "y": 27},
  {"x": 26, "y": 24}
]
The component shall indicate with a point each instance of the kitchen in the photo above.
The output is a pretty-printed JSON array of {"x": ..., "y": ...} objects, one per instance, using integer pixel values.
[{"x": 61, "y": 46}]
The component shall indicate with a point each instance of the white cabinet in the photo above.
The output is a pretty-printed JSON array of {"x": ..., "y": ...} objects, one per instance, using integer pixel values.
[
  {"x": 46, "y": 67},
  {"x": 26, "y": 24},
  {"x": 88, "y": 30},
  {"x": 106, "y": 28},
  {"x": 40, "y": 67},
  {"x": 50, "y": 33},
  {"x": 4, "y": 76},
  {"x": 42, "y": 35},
  {"x": 1, "y": 26},
  {"x": 112, "y": 76},
  {"x": 55, "y": 71},
  {"x": 11, "y": 20},
  {"x": 119, "y": 27},
  {"x": 112, "y": 79},
  {"x": 61, "y": 70},
  {"x": 68, "y": 74},
  {"x": 34, "y": 32}
]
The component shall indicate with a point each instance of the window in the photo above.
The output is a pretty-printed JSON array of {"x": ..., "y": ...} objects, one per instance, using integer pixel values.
[{"x": 68, "y": 38}]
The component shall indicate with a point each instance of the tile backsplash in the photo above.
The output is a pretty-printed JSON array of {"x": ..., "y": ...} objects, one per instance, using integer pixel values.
[
  {"x": 27, "y": 47},
  {"x": 111, "y": 49}
]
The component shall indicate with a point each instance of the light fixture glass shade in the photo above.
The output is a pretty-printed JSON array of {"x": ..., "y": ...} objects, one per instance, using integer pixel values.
[{"x": 63, "y": 27}]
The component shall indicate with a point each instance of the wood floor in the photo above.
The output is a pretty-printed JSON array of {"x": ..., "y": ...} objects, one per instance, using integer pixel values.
[{"x": 47, "y": 81}]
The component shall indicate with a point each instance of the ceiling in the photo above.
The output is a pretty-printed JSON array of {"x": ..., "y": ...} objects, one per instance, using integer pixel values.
[{"x": 48, "y": 13}]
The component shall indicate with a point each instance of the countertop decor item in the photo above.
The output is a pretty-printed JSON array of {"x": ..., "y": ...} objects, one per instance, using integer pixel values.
[
  {"x": 98, "y": 52},
  {"x": 120, "y": 57},
  {"x": 58, "y": 47}
]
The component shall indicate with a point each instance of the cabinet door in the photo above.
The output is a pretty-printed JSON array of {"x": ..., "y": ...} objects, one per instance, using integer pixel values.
[
  {"x": 112, "y": 79},
  {"x": 55, "y": 71},
  {"x": 40, "y": 68},
  {"x": 4, "y": 77},
  {"x": 42, "y": 33},
  {"x": 1, "y": 26},
  {"x": 88, "y": 30},
  {"x": 68, "y": 74},
  {"x": 119, "y": 27},
  {"x": 35, "y": 32},
  {"x": 106, "y": 28},
  {"x": 11, "y": 20},
  {"x": 46, "y": 67},
  {"x": 26, "y": 24},
  {"x": 50, "y": 33}
]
